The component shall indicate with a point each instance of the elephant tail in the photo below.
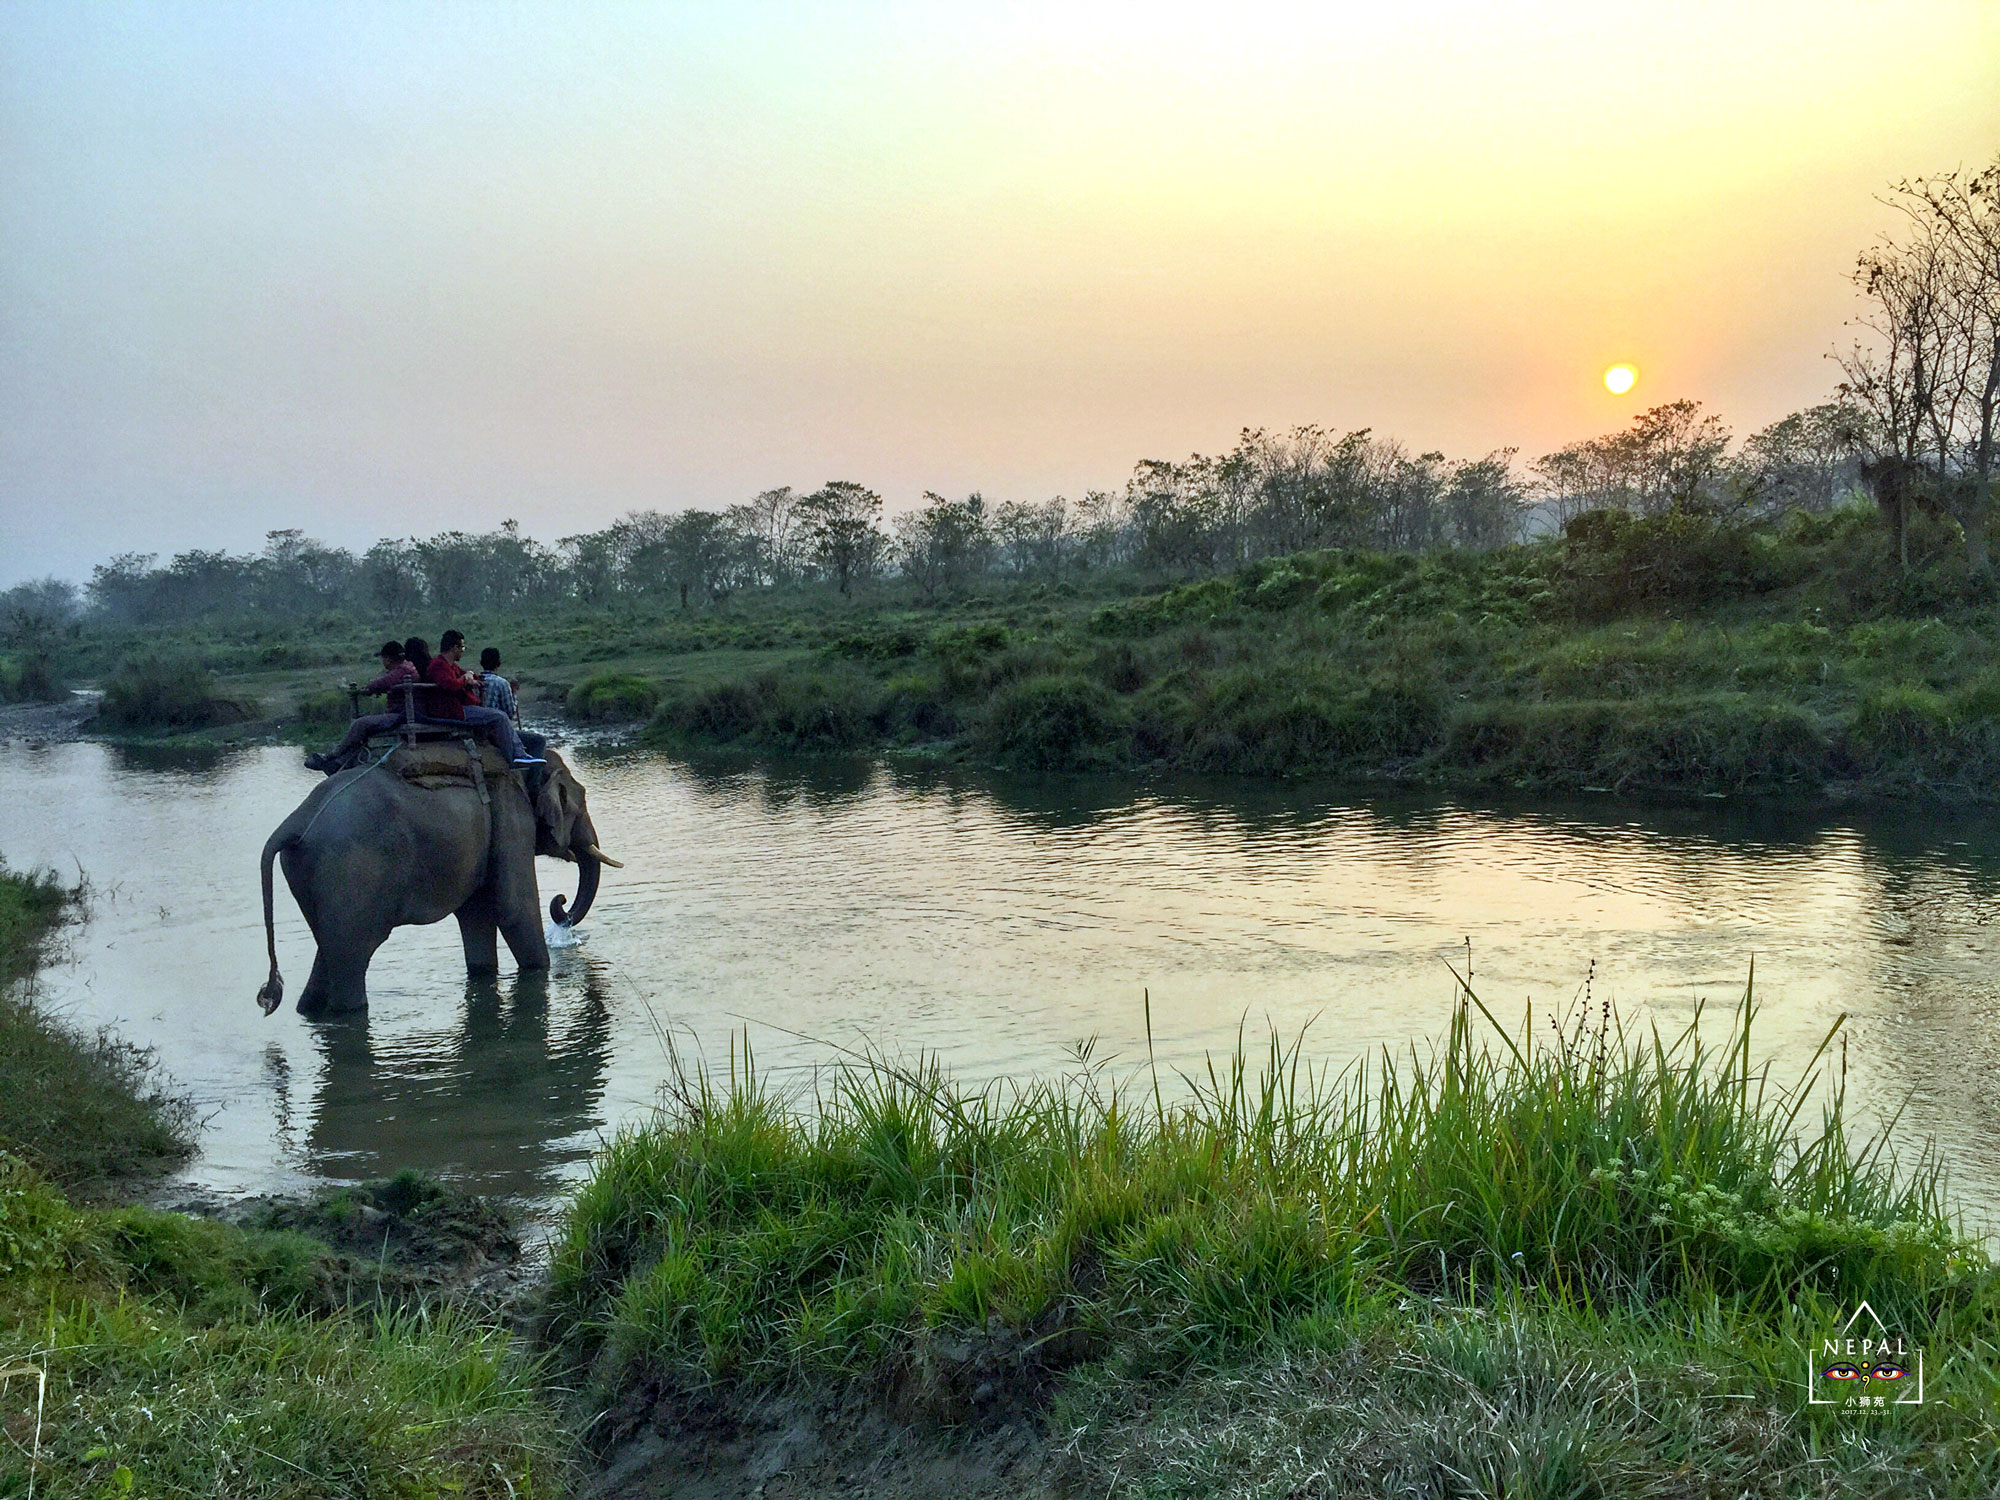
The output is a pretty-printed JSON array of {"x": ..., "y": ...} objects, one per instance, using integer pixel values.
[{"x": 273, "y": 992}]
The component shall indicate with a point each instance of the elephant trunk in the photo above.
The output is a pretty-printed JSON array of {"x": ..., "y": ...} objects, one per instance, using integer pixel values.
[{"x": 588, "y": 866}]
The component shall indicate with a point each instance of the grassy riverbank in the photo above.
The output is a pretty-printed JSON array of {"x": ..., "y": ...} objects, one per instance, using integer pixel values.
[
  {"x": 1793, "y": 660},
  {"x": 1558, "y": 1263},
  {"x": 1674, "y": 655},
  {"x": 1594, "y": 1265},
  {"x": 187, "y": 1357}
]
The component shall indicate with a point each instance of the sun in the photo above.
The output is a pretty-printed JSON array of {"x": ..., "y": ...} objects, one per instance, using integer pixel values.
[{"x": 1620, "y": 378}]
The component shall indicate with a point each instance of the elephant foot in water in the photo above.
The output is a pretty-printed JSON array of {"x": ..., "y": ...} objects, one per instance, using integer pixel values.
[{"x": 333, "y": 989}]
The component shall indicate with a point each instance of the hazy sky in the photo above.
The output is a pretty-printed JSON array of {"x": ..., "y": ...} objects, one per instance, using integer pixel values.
[{"x": 392, "y": 269}]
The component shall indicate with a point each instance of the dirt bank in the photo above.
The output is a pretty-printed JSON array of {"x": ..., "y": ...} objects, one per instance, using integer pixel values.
[
  {"x": 670, "y": 1446},
  {"x": 47, "y": 723}
]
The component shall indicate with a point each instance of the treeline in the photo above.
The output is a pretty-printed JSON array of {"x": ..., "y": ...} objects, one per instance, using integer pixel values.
[
  {"x": 1272, "y": 494},
  {"x": 1916, "y": 425}
]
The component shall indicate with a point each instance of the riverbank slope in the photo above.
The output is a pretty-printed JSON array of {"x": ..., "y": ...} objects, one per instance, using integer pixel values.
[
  {"x": 156, "y": 1354},
  {"x": 1633, "y": 656},
  {"x": 1599, "y": 1265}
]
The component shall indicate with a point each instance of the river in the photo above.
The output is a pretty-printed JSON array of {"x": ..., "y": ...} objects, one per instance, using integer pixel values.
[{"x": 996, "y": 922}]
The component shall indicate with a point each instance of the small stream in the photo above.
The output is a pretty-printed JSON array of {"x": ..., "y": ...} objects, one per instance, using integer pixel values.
[{"x": 995, "y": 921}]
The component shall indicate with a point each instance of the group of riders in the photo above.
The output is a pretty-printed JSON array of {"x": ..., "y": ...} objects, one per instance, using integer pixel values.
[{"x": 483, "y": 700}]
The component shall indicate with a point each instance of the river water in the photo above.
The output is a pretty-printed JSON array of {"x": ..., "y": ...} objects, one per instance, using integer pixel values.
[{"x": 996, "y": 922}]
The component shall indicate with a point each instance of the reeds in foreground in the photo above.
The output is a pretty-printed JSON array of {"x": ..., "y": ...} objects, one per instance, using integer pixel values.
[{"x": 1603, "y": 1170}]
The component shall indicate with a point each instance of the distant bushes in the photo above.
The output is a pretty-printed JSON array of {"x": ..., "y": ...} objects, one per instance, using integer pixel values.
[
  {"x": 1613, "y": 561},
  {"x": 613, "y": 696},
  {"x": 798, "y": 711},
  {"x": 30, "y": 679},
  {"x": 1565, "y": 665},
  {"x": 1717, "y": 743},
  {"x": 1053, "y": 721},
  {"x": 326, "y": 708},
  {"x": 167, "y": 695}
]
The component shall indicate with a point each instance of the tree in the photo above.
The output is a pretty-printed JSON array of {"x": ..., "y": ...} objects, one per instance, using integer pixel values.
[
  {"x": 1035, "y": 538},
  {"x": 592, "y": 563},
  {"x": 1928, "y": 372},
  {"x": 839, "y": 521},
  {"x": 391, "y": 581},
  {"x": 1483, "y": 502},
  {"x": 1672, "y": 457},
  {"x": 699, "y": 550},
  {"x": 772, "y": 524},
  {"x": 941, "y": 543},
  {"x": 35, "y": 618},
  {"x": 298, "y": 575},
  {"x": 1805, "y": 461}
]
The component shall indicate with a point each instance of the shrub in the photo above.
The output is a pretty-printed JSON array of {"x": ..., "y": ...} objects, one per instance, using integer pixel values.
[
  {"x": 1053, "y": 722},
  {"x": 1723, "y": 742},
  {"x": 913, "y": 706},
  {"x": 31, "y": 679},
  {"x": 966, "y": 644},
  {"x": 328, "y": 707},
  {"x": 1612, "y": 561},
  {"x": 1901, "y": 724},
  {"x": 613, "y": 696},
  {"x": 815, "y": 712},
  {"x": 798, "y": 710},
  {"x": 167, "y": 694},
  {"x": 874, "y": 645}
]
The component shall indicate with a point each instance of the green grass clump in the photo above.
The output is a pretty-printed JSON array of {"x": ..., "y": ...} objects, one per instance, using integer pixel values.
[
  {"x": 1515, "y": 1400},
  {"x": 166, "y": 695},
  {"x": 85, "y": 1108},
  {"x": 607, "y": 696},
  {"x": 30, "y": 679},
  {"x": 745, "y": 1235},
  {"x": 187, "y": 1357},
  {"x": 32, "y": 906},
  {"x": 1444, "y": 1274},
  {"x": 324, "y": 708},
  {"x": 1053, "y": 721},
  {"x": 181, "y": 1358},
  {"x": 798, "y": 710}
]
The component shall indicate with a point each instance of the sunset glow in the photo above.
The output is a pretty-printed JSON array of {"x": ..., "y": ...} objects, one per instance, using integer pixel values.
[{"x": 385, "y": 269}]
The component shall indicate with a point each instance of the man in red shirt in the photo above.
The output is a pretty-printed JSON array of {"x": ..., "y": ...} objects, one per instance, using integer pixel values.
[{"x": 462, "y": 697}]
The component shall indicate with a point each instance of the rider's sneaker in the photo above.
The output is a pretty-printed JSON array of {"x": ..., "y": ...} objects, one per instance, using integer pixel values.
[
  {"x": 319, "y": 762},
  {"x": 529, "y": 760}
]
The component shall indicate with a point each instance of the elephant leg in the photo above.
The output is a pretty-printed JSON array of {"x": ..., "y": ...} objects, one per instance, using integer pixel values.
[
  {"x": 312, "y": 999},
  {"x": 339, "y": 979},
  {"x": 338, "y": 983},
  {"x": 523, "y": 932},
  {"x": 477, "y": 929},
  {"x": 517, "y": 906}
]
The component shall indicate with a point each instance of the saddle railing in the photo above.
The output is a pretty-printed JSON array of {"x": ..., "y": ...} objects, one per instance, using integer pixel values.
[{"x": 418, "y": 726}]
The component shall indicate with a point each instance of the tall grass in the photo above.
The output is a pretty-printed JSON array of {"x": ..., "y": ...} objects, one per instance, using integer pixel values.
[
  {"x": 613, "y": 696},
  {"x": 84, "y": 1107},
  {"x": 158, "y": 694},
  {"x": 185, "y": 1358},
  {"x": 146, "y": 1353},
  {"x": 751, "y": 1234}
]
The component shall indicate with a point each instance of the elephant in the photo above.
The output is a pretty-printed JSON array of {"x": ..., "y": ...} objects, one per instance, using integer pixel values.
[{"x": 429, "y": 831}]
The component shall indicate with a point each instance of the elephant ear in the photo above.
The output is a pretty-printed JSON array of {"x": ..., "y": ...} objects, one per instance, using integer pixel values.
[{"x": 556, "y": 810}]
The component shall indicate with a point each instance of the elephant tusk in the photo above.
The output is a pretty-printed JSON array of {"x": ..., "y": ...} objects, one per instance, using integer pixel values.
[{"x": 604, "y": 859}]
